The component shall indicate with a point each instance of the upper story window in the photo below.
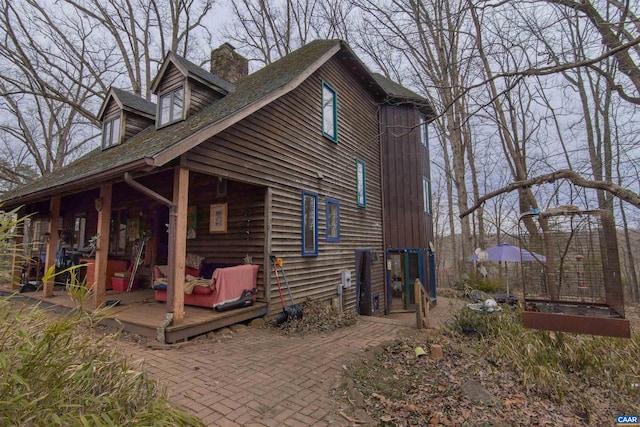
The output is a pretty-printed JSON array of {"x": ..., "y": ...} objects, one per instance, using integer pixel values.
[
  {"x": 424, "y": 134},
  {"x": 426, "y": 195},
  {"x": 333, "y": 220},
  {"x": 171, "y": 106},
  {"x": 111, "y": 132},
  {"x": 329, "y": 112},
  {"x": 309, "y": 224},
  {"x": 361, "y": 188}
]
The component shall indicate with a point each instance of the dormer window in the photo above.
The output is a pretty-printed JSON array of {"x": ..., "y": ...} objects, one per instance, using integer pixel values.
[
  {"x": 111, "y": 133},
  {"x": 171, "y": 107}
]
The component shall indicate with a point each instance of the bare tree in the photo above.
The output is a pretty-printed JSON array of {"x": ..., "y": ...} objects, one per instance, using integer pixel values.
[
  {"x": 57, "y": 61},
  {"x": 270, "y": 29},
  {"x": 429, "y": 50}
]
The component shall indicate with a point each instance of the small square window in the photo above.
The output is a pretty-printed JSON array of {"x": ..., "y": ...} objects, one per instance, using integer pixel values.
[
  {"x": 333, "y": 220},
  {"x": 111, "y": 133},
  {"x": 361, "y": 185},
  {"x": 329, "y": 112},
  {"x": 426, "y": 195},
  {"x": 309, "y": 224},
  {"x": 171, "y": 107}
]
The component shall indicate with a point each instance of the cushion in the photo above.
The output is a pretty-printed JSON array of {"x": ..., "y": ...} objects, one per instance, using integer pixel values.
[
  {"x": 201, "y": 290},
  {"x": 193, "y": 261},
  {"x": 161, "y": 271},
  {"x": 193, "y": 272}
]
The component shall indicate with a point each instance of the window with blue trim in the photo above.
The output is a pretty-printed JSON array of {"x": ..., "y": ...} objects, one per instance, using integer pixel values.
[
  {"x": 309, "y": 224},
  {"x": 333, "y": 220},
  {"x": 426, "y": 195},
  {"x": 361, "y": 186},
  {"x": 329, "y": 112}
]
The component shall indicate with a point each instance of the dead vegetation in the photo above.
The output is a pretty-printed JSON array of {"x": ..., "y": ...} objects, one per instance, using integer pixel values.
[
  {"x": 318, "y": 317},
  {"x": 495, "y": 372},
  {"x": 56, "y": 372}
]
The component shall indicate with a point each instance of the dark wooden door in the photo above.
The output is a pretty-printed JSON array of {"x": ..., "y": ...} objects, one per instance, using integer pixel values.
[{"x": 363, "y": 281}]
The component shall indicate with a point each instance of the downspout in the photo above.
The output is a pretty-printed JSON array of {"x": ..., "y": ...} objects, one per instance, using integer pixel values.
[
  {"x": 173, "y": 213},
  {"x": 384, "y": 135}
]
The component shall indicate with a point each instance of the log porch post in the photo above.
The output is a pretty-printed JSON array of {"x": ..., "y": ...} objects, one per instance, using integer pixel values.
[
  {"x": 179, "y": 240},
  {"x": 103, "y": 206},
  {"x": 52, "y": 245}
]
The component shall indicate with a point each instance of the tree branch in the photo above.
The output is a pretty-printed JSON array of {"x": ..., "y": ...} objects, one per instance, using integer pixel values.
[{"x": 616, "y": 190}]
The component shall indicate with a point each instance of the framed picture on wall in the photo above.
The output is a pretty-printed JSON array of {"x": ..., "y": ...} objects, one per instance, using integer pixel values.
[{"x": 218, "y": 218}]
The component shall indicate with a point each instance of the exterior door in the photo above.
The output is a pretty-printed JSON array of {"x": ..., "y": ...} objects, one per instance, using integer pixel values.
[
  {"x": 363, "y": 282},
  {"x": 431, "y": 256},
  {"x": 412, "y": 271},
  {"x": 405, "y": 266}
]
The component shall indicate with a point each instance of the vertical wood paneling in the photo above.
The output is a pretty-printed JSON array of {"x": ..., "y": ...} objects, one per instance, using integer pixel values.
[
  {"x": 404, "y": 165},
  {"x": 405, "y": 162}
]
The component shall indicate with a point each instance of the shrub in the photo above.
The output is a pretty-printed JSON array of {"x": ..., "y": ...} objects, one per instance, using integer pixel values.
[
  {"x": 55, "y": 372},
  {"x": 52, "y": 373},
  {"x": 550, "y": 362}
]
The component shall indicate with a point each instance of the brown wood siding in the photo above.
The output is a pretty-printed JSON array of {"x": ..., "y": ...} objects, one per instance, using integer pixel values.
[
  {"x": 405, "y": 162},
  {"x": 281, "y": 146},
  {"x": 172, "y": 78},
  {"x": 245, "y": 223},
  {"x": 134, "y": 124},
  {"x": 111, "y": 111},
  {"x": 201, "y": 97}
]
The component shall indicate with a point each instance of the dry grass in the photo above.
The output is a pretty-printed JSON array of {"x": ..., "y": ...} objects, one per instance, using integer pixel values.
[
  {"x": 52, "y": 373},
  {"x": 531, "y": 377}
]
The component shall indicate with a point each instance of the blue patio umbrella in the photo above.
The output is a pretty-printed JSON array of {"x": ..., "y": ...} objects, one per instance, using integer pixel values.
[{"x": 507, "y": 253}]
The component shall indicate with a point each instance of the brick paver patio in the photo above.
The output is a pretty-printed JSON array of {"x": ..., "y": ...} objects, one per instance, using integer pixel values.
[{"x": 258, "y": 377}]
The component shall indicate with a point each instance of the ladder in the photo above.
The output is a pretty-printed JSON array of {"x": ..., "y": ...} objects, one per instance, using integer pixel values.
[{"x": 137, "y": 257}]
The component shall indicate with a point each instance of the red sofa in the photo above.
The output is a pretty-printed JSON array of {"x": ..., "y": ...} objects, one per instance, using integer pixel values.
[{"x": 226, "y": 284}]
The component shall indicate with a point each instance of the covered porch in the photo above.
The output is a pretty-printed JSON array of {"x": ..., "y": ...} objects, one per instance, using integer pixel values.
[
  {"x": 138, "y": 313},
  {"x": 129, "y": 226}
]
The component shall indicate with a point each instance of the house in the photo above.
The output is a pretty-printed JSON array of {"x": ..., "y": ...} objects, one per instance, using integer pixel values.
[{"x": 313, "y": 159}]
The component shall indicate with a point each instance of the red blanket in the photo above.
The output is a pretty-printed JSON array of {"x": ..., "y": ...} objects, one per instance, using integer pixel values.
[{"x": 229, "y": 282}]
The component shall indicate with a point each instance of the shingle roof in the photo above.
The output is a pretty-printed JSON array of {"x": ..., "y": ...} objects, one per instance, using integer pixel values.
[
  {"x": 203, "y": 74},
  {"x": 135, "y": 102},
  {"x": 397, "y": 91},
  {"x": 150, "y": 143}
]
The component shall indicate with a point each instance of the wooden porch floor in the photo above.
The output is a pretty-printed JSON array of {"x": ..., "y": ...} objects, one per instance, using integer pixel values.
[{"x": 139, "y": 313}]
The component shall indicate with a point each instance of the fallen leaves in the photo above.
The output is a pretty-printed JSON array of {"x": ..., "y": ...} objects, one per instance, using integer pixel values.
[{"x": 401, "y": 390}]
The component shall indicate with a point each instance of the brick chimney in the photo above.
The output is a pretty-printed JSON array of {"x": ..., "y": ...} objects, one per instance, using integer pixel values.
[{"x": 227, "y": 64}]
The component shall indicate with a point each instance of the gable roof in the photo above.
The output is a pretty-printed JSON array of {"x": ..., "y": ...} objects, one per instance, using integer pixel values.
[
  {"x": 128, "y": 101},
  {"x": 156, "y": 147},
  {"x": 191, "y": 70}
]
